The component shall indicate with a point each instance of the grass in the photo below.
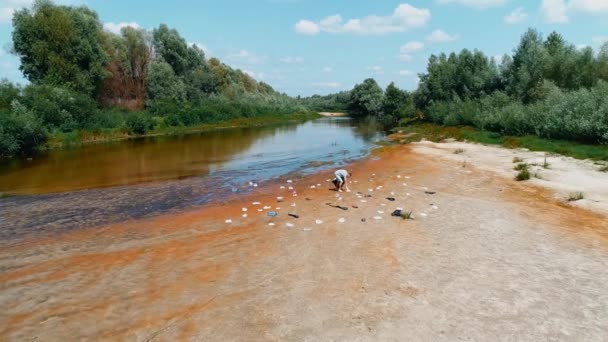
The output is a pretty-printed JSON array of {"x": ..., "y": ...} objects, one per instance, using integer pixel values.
[
  {"x": 576, "y": 196},
  {"x": 459, "y": 151},
  {"x": 524, "y": 174},
  {"x": 517, "y": 160},
  {"x": 604, "y": 169},
  {"x": 520, "y": 167},
  {"x": 437, "y": 133}
]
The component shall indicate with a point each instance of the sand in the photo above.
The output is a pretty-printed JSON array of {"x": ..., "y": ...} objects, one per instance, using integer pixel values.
[{"x": 485, "y": 258}]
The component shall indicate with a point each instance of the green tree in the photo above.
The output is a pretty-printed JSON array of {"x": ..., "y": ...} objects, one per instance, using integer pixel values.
[
  {"x": 60, "y": 45},
  {"x": 366, "y": 99},
  {"x": 526, "y": 73},
  {"x": 394, "y": 100}
]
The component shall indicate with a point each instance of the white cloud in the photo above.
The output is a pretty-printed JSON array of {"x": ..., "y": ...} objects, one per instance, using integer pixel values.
[
  {"x": 376, "y": 69},
  {"x": 116, "y": 27},
  {"x": 332, "y": 85},
  {"x": 599, "y": 40},
  {"x": 439, "y": 36},
  {"x": 558, "y": 11},
  {"x": 479, "y": 4},
  {"x": 307, "y": 27},
  {"x": 554, "y": 11},
  {"x": 292, "y": 60},
  {"x": 328, "y": 69},
  {"x": 516, "y": 16},
  {"x": 405, "y": 57},
  {"x": 590, "y": 6},
  {"x": 405, "y": 73},
  {"x": 410, "y": 47},
  {"x": 8, "y": 7},
  {"x": 244, "y": 56},
  {"x": 404, "y": 18}
]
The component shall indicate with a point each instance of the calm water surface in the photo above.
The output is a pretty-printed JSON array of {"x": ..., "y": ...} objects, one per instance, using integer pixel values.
[
  {"x": 101, "y": 184},
  {"x": 240, "y": 154}
]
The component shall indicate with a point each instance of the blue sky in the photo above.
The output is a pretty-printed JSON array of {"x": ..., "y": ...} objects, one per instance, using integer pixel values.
[{"x": 304, "y": 47}]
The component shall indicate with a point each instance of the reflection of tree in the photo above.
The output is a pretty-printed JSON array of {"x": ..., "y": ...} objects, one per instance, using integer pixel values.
[
  {"x": 133, "y": 161},
  {"x": 368, "y": 129}
]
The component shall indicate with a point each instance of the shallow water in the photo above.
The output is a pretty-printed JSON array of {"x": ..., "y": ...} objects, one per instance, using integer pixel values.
[
  {"x": 103, "y": 184},
  {"x": 238, "y": 155}
]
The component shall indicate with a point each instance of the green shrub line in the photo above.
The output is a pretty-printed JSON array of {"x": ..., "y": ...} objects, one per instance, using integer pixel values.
[{"x": 438, "y": 133}]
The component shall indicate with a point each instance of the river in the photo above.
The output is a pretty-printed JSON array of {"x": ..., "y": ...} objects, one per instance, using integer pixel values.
[{"x": 106, "y": 183}]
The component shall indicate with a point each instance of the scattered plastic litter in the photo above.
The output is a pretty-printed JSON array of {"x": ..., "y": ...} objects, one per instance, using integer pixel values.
[
  {"x": 255, "y": 185},
  {"x": 408, "y": 194},
  {"x": 282, "y": 187},
  {"x": 382, "y": 204},
  {"x": 256, "y": 203},
  {"x": 279, "y": 199},
  {"x": 379, "y": 187},
  {"x": 272, "y": 224},
  {"x": 434, "y": 207},
  {"x": 313, "y": 186},
  {"x": 260, "y": 210},
  {"x": 377, "y": 217},
  {"x": 245, "y": 215},
  {"x": 392, "y": 199},
  {"x": 228, "y": 221},
  {"x": 273, "y": 213},
  {"x": 430, "y": 192},
  {"x": 356, "y": 207},
  {"x": 424, "y": 214},
  {"x": 293, "y": 215},
  {"x": 289, "y": 181},
  {"x": 295, "y": 194},
  {"x": 307, "y": 229},
  {"x": 293, "y": 205},
  {"x": 397, "y": 213},
  {"x": 244, "y": 209},
  {"x": 392, "y": 193},
  {"x": 367, "y": 196},
  {"x": 398, "y": 176},
  {"x": 342, "y": 220},
  {"x": 308, "y": 199},
  {"x": 407, "y": 177},
  {"x": 380, "y": 212},
  {"x": 290, "y": 188},
  {"x": 319, "y": 222},
  {"x": 277, "y": 208},
  {"x": 318, "y": 185},
  {"x": 267, "y": 207},
  {"x": 363, "y": 201},
  {"x": 235, "y": 189},
  {"x": 370, "y": 190},
  {"x": 289, "y": 225}
]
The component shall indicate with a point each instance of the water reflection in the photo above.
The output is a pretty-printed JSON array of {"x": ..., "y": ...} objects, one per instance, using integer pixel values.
[
  {"x": 140, "y": 178},
  {"x": 256, "y": 153}
]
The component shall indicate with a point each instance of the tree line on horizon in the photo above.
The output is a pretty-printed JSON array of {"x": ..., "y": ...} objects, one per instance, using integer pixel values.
[
  {"x": 547, "y": 87},
  {"x": 82, "y": 77}
]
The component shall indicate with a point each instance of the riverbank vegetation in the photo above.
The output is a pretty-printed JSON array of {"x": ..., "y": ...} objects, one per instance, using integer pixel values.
[
  {"x": 85, "y": 81},
  {"x": 549, "y": 94}
]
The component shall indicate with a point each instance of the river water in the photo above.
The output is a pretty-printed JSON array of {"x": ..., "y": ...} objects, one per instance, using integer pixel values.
[{"x": 106, "y": 183}]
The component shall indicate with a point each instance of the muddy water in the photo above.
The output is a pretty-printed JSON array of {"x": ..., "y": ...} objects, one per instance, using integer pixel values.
[{"x": 101, "y": 184}]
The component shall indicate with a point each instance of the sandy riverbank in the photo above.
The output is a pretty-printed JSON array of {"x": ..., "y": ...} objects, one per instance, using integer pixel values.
[{"x": 486, "y": 258}]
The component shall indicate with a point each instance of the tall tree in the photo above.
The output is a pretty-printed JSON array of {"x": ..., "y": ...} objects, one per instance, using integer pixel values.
[
  {"x": 60, "y": 45},
  {"x": 366, "y": 98}
]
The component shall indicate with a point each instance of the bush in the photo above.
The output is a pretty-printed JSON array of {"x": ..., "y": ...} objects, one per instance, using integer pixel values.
[
  {"x": 21, "y": 132},
  {"x": 60, "y": 107},
  {"x": 138, "y": 123}
]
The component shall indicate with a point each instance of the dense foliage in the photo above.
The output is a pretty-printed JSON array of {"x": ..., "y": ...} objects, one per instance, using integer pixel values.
[
  {"x": 548, "y": 88},
  {"x": 84, "y": 78}
]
